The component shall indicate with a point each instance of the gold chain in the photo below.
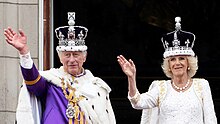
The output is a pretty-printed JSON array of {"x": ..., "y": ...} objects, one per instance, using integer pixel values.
[{"x": 72, "y": 107}]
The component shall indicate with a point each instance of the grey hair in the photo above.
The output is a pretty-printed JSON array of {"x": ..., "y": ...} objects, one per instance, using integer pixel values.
[{"x": 193, "y": 66}]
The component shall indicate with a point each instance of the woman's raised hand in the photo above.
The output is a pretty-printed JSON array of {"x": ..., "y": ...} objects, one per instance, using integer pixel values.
[
  {"x": 127, "y": 66},
  {"x": 19, "y": 41}
]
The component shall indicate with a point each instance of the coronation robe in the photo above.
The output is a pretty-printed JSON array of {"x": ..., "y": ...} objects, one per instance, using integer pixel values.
[{"x": 47, "y": 87}]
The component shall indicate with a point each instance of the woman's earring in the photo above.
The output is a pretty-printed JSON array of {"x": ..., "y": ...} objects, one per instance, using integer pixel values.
[
  {"x": 188, "y": 68},
  {"x": 169, "y": 69}
]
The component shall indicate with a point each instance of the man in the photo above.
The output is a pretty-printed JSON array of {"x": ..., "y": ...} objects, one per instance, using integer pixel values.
[{"x": 69, "y": 94}]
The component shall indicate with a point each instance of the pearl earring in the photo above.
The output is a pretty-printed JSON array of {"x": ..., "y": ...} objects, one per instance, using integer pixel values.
[{"x": 188, "y": 68}]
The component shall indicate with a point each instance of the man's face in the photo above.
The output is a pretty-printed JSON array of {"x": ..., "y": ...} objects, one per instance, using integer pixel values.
[{"x": 73, "y": 61}]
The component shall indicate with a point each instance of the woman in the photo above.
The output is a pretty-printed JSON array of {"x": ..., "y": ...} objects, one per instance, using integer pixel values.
[{"x": 180, "y": 100}]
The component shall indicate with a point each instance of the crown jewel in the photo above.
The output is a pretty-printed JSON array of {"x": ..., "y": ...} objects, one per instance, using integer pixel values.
[
  {"x": 178, "y": 42},
  {"x": 71, "y": 38}
]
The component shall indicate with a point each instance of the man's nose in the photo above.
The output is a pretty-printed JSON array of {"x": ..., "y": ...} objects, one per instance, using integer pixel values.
[{"x": 72, "y": 58}]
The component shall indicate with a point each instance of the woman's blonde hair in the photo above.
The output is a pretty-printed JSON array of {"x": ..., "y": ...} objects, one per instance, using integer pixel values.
[{"x": 193, "y": 66}]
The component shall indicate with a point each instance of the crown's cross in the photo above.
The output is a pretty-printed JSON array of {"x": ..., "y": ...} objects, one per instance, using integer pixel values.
[
  {"x": 61, "y": 39},
  {"x": 80, "y": 35},
  {"x": 61, "y": 36},
  {"x": 71, "y": 18},
  {"x": 166, "y": 44},
  {"x": 187, "y": 43},
  {"x": 176, "y": 43}
]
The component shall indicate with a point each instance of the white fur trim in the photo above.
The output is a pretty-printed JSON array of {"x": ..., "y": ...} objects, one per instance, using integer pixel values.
[
  {"x": 168, "y": 53},
  {"x": 71, "y": 48},
  {"x": 87, "y": 86},
  {"x": 28, "y": 109}
]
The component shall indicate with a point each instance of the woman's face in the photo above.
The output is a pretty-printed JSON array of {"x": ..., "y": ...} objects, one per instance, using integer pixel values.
[
  {"x": 73, "y": 62},
  {"x": 178, "y": 65}
]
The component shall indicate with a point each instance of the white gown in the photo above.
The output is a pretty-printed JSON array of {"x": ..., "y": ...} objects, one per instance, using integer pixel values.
[
  {"x": 176, "y": 107},
  {"x": 181, "y": 108}
]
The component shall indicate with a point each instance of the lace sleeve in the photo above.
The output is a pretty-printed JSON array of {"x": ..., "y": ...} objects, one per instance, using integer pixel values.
[
  {"x": 208, "y": 106},
  {"x": 146, "y": 100}
]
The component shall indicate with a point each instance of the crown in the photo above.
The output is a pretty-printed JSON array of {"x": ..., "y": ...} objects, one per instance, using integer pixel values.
[
  {"x": 71, "y": 38},
  {"x": 178, "y": 42}
]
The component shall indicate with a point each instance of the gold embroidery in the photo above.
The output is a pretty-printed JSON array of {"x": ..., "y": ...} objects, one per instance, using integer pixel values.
[
  {"x": 198, "y": 89},
  {"x": 34, "y": 81},
  {"x": 162, "y": 91}
]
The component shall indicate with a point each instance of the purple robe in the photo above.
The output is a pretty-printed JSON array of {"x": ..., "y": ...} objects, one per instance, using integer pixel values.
[{"x": 51, "y": 96}]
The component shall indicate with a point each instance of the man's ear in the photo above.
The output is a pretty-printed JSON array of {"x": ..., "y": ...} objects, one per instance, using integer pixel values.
[{"x": 60, "y": 58}]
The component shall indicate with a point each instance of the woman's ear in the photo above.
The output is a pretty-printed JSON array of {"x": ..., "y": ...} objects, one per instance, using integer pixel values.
[{"x": 85, "y": 56}]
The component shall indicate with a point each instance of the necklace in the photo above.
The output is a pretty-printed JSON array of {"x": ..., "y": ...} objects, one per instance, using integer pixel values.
[{"x": 181, "y": 88}]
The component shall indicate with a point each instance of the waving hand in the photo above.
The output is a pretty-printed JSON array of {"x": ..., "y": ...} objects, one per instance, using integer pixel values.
[
  {"x": 19, "y": 41},
  {"x": 128, "y": 67}
]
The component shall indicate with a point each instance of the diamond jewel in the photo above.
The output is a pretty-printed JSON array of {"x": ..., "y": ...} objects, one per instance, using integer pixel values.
[{"x": 70, "y": 112}]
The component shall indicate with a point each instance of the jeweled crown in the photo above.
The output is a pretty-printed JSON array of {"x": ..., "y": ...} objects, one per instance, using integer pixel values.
[
  {"x": 178, "y": 42},
  {"x": 71, "y": 38}
]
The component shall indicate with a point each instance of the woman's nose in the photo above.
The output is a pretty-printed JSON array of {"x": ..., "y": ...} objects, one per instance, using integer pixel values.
[{"x": 177, "y": 61}]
